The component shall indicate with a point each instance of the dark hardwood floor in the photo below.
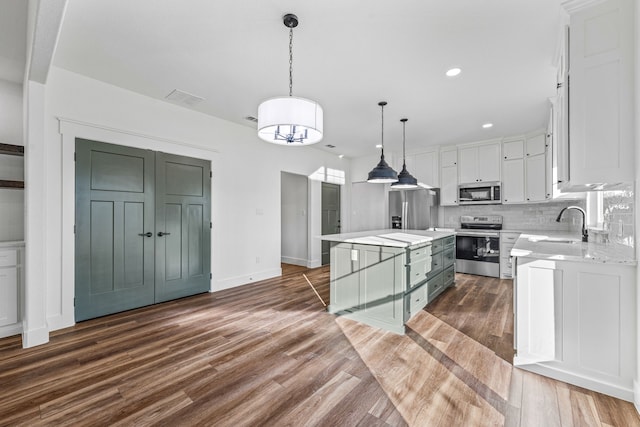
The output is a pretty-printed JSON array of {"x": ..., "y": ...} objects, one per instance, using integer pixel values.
[{"x": 269, "y": 354}]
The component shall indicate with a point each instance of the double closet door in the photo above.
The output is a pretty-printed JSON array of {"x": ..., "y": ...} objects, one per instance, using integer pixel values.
[{"x": 143, "y": 228}]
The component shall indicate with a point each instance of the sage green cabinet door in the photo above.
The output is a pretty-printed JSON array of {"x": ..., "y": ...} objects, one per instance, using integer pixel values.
[
  {"x": 114, "y": 209},
  {"x": 183, "y": 233}
]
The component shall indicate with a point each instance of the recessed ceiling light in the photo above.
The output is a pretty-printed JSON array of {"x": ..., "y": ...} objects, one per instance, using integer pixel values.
[
  {"x": 487, "y": 125},
  {"x": 453, "y": 72},
  {"x": 378, "y": 145},
  {"x": 341, "y": 155}
]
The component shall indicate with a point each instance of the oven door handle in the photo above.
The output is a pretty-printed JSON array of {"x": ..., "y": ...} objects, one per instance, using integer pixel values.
[{"x": 477, "y": 234}]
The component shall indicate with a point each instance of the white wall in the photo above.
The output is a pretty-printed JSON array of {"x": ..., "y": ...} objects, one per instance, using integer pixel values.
[
  {"x": 294, "y": 219},
  {"x": 245, "y": 186},
  {"x": 636, "y": 384},
  {"x": 11, "y": 113}
]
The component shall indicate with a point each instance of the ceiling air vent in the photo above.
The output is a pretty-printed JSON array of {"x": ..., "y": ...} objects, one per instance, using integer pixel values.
[
  {"x": 330, "y": 146},
  {"x": 251, "y": 119},
  {"x": 185, "y": 98}
]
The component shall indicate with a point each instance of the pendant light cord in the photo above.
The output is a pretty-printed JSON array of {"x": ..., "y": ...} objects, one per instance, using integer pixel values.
[
  {"x": 404, "y": 158},
  {"x": 382, "y": 132},
  {"x": 290, "y": 61}
]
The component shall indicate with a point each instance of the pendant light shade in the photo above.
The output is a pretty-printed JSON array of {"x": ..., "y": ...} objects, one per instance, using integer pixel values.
[
  {"x": 382, "y": 173},
  {"x": 289, "y": 120},
  {"x": 405, "y": 179}
]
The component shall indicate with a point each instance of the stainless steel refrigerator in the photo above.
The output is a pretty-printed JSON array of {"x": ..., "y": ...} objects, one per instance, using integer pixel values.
[{"x": 413, "y": 209}]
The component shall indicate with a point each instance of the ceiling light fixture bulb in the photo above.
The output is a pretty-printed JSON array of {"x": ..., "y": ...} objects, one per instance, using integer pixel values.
[
  {"x": 453, "y": 72},
  {"x": 487, "y": 125}
]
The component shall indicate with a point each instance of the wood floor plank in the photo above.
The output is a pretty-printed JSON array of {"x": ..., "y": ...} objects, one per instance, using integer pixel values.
[{"x": 269, "y": 354}]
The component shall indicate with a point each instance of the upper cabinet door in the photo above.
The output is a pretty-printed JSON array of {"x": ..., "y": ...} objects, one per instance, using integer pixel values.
[
  {"x": 601, "y": 93},
  {"x": 468, "y": 165},
  {"x": 480, "y": 163},
  {"x": 489, "y": 162},
  {"x": 513, "y": 149}
]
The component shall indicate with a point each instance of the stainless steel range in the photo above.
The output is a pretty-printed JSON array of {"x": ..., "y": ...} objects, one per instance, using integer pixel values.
[{"x": 478, "y": 245}]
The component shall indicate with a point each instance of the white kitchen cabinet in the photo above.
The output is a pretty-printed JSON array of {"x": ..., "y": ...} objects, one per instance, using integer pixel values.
[
  {"x": 600, "y": 93},
  {"x": 575, "y": 321},
  {"x": 513, "y": 171},
  {"x": 425, "y": 168},
  {"x": 479, "y": 163},
  {"x": 524, "y": 169},
  {"x": 513, "y": 184},
  {"x": 449, "y": 176},
  {"x": 10, "y": 289}
]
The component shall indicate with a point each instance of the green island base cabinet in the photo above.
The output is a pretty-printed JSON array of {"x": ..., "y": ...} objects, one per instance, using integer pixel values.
[{"x": 384, "y": 286}]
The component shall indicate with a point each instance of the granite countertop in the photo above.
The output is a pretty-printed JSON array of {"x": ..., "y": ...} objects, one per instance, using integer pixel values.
[
  {"x": 565, "y": 246},
  {"x": 389, "y": 237},
  {"x": 11, "y": 243}
]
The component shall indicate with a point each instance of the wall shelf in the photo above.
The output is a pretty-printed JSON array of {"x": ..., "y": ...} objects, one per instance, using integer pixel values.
[
  {"x": 11, "y": 184},
  {"x": 11, "y": 150}
]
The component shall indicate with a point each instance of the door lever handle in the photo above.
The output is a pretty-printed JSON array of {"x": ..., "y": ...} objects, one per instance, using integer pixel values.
[
  {"x": 160, "y": 234},
  {"x": 147, "y": 234}
]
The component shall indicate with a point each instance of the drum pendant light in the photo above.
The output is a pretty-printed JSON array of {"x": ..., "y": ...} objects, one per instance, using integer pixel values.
[
  {"x": 382, "y": 173},
  {"x": 290, "y": 120},
  {"x": 405, "y": 179}
]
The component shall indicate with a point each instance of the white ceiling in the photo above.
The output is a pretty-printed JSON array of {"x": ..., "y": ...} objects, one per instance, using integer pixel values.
[
  {"x": 348, "y": 55},
  {"x": 13, "y": 39}
]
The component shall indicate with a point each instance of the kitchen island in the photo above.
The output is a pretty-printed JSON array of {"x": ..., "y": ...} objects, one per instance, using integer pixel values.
[
  {"x": 383, "y": 277},
  {"x": 575, "y": 312}
]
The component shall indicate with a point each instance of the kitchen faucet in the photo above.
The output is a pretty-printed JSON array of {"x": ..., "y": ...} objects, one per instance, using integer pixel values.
[{"x": 585, "y": 233}]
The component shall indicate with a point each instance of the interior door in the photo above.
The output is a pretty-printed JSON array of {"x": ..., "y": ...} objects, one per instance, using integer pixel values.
[
  {"x": 114, "y": 229},
  {"x": 183, "y": 232},
  {"x": 330, "y": 216},
  {"x": 142, "y": 228}
]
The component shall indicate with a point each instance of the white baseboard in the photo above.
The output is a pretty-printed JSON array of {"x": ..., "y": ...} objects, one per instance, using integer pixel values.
[
  {"x": 34, "y": 337},
  {"x": 615, "y": 390},
  {"x": 59, "y": 322},
  {"x": 636, "y": 393},
  {"x": 294, "y": 261},
  {"x": 246, "y": 279},
  {"x": 10, "y": 330},
  {"x": 314, "y": 263}
]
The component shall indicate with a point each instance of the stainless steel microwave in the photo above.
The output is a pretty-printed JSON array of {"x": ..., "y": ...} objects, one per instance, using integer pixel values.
[{"x": 479, "y": 193}]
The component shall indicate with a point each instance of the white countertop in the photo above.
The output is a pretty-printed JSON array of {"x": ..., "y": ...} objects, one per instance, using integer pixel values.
[
  {"x": 564, "y": 246},
  {"x": 389, "y": 237}
]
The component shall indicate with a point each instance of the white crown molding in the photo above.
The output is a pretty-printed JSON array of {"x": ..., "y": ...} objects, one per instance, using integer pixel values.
[{"x": 573, "y": 6}]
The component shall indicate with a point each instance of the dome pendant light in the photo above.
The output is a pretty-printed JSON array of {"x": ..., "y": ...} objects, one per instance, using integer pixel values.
[
  {"x": 382, "y": 173},
  {"x": 290, "y": 120},
  {"x": 405, "y": 179}
]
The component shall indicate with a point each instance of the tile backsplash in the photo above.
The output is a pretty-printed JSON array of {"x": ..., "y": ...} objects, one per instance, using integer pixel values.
[
  {"x": 618, "y": 215},
  {"x": 540, "y": 216}
]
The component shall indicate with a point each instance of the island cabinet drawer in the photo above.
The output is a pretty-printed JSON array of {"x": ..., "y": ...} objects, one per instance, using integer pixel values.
[
  {"x": 415, "y": 301},
  {"x": 449, "y": 276},
  {"x": 448, "y": 257},
  {"x": 435, "y": 286},
  {"x": 419, "y": 254},
  {"x": 436, "y": 265},
  {"x": 437, "y": 246},
  {"x": 449, "y": 241},
  {"x": 417, "y": 271},
  {"x": 8, "y": 257}
]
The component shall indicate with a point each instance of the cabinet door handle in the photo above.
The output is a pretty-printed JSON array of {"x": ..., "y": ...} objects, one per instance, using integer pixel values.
[
  {"x": 147, "y": 234},
  {"x": 160, "y": 234}
]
